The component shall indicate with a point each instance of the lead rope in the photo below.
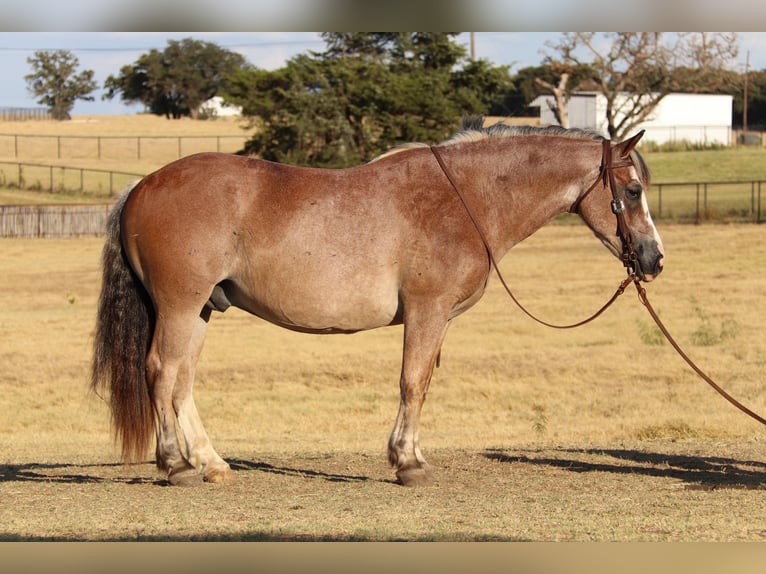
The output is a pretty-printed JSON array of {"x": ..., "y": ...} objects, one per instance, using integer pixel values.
[
  {"x": 645, "y": 301},
  {"x": 628, "y": 259}
]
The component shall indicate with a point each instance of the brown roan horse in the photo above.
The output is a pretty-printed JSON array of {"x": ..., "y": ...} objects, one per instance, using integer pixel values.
[{"x": 389, "y": 242}]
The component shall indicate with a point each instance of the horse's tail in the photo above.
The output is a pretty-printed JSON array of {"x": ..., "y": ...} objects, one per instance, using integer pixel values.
[{"x": 124, "y": 328}]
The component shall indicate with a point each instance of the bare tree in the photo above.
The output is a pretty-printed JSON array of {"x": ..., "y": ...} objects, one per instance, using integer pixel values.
[
  {"x": 559, "y": 104},
  {"x": 635, "y": 70}
]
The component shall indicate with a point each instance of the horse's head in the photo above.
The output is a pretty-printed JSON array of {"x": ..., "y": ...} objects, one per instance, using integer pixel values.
[{"x": 618, "y": 200}]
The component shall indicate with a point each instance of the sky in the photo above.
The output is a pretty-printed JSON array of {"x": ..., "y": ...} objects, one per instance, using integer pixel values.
[{"x": 106, "y": 52}]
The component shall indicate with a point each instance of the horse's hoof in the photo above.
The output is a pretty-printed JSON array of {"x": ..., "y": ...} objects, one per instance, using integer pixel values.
[
  {"x": 415, "y": 477},
  {"x": 219, "y": 475},
  {"x": 187, "y": 477}
]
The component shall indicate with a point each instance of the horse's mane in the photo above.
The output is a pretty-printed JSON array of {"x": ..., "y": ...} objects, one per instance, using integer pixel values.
[{"x": 473, "y": 130}]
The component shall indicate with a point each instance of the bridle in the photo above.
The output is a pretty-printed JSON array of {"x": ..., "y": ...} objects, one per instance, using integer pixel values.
[{"x": 629, "y": 259}]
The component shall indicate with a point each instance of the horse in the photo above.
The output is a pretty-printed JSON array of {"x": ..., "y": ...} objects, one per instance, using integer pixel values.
[{"x": 388, "y": 242}]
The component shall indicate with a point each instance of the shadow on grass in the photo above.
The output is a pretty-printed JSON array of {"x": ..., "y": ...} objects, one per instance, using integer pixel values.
[
  {"x": 696, "y": 472},
  {"x": 264, "y": 536},
  {"x": 238, "y": 465},
  {"x": 64, "y": 473}
]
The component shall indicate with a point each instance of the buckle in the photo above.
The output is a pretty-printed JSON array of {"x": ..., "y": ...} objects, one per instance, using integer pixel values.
[{"x": 618, "y": 206}]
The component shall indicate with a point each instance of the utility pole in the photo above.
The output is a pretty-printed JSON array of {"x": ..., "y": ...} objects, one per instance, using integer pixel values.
[
  {"x": 473, "y": 46},
  {"x": 744, "y": 97}
]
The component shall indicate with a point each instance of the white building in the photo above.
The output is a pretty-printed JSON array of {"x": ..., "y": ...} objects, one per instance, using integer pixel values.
[
  {"x": 696, "y": 118},
  {"x": 215, "y": 107}
]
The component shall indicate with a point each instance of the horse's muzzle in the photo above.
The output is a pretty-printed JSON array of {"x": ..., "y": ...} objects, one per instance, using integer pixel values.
[{"x": 651, "y": 266}]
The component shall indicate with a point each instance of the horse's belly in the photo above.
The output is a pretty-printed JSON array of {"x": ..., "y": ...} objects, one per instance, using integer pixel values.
[{"x": 322, "y": 303}]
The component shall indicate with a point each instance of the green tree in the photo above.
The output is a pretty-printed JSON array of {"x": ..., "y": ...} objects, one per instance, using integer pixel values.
[
  {"x": 178, "y": 80},
  {"x": 55, "y": 81},
  {"x": 365, "y": 93}
]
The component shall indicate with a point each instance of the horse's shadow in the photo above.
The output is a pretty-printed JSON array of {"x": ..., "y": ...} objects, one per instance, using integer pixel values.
[
  {"x": 239, "y": 465},
  {"x": 694, "y": 471},
  {"x": 65, "y": 473}
]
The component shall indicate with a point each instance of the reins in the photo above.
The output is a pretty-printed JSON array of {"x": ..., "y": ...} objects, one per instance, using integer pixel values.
[
  {"x": 603, "y": 176},
  {"x": 628, "y": 257}
]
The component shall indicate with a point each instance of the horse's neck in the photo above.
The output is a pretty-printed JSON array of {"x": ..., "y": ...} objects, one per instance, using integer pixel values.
[{"x": 525, "y": 184}]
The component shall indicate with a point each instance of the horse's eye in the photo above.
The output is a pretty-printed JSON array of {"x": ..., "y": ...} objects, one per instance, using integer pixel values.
[{"x": 634, "y": 190}]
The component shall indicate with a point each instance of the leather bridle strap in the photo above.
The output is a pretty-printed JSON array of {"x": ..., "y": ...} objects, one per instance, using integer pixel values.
[
  {"x": 605, "y": 169},
  {"x": 628, "y": 257}
]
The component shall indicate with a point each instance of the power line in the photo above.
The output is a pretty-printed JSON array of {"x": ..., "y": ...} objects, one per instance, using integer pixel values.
[{"x": 145, "y": 48}]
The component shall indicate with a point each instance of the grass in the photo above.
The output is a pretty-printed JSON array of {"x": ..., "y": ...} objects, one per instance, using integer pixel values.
[{"x": 525, "y": 426}]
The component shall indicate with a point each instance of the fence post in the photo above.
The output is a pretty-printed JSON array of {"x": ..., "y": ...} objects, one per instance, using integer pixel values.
[
  {"x": 659, "y": 205},
  {"x": 58, "y": 147},
  {"x": 698, "y": 204},
  {"x": 179, "y": 147}
]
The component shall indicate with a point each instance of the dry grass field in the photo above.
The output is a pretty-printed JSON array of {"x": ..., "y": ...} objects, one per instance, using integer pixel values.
[
  {"x": 597, "y": 434},
  {"x": 78, "y": 146},
  {"x": 600, "y": 433}
]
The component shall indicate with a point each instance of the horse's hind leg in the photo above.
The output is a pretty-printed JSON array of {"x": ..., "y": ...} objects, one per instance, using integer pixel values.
[
  {"x": 200, "y": 452},
  {"x": 170, "y": 366},
  {"x": 167, "y": 358},
  {"x": 423, "y": 338}
]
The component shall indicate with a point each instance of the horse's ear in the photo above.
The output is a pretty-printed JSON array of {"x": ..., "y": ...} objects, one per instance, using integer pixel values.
[{"x": 625, "y": 147}]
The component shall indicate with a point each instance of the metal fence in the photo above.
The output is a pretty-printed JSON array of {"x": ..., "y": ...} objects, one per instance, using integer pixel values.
[
  {"x": 695, "y": 202},
  {"x": 54, "y": 178},
  {"x": 20, "y": 146}
]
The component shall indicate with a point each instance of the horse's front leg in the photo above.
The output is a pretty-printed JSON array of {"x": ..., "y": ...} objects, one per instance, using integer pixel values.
[{"x": 423, "y": 337}]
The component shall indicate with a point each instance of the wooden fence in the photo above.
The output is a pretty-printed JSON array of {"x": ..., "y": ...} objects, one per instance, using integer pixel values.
[
  {"x": 53, "y": 221},
  {"x": 21, "y": 114}
]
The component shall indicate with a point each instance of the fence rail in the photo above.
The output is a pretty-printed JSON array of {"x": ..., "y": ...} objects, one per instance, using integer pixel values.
[
  {"x": 55, "y": 178},
  {"x": 20, "y": 146},
  {"x": 732, "y": 201}
]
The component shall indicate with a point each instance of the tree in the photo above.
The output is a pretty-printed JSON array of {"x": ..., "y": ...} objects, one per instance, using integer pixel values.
[
  {"x": 365, "y": 93},
  {"x": 635, "y": 70},
  {"x": 55, "y": 82},
  {"x": 178, "y": 80}
]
